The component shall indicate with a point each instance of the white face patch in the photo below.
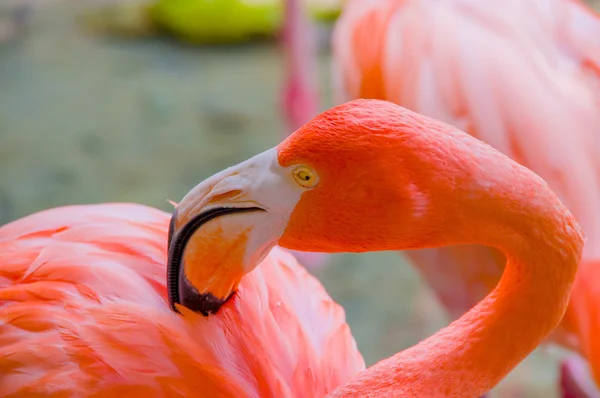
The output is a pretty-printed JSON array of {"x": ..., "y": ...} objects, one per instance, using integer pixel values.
[{"x": 259, "y": 182}]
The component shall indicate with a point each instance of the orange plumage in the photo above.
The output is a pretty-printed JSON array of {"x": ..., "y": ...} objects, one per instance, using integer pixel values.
[{"x": 84, "y": 311}]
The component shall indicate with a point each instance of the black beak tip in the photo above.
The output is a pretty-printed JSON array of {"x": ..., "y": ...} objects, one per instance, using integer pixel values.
[{"x": 205, "y": 304}]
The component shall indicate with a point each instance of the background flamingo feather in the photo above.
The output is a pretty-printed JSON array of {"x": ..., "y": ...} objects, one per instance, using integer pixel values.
[{"x": 523, "y": 76}]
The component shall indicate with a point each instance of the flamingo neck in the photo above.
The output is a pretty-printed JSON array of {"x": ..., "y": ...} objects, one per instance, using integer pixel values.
[{"x": 543, "y": 245}]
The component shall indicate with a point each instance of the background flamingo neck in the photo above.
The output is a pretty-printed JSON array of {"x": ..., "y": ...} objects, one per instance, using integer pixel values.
[
  {"x": 474, "y": 353},
  {"x": 300, "y": 96},
  {"x": 583, "y": 312}
]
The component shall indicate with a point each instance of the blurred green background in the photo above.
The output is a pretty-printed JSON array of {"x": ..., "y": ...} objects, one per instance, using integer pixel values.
[{"x": 88, "y": 118}]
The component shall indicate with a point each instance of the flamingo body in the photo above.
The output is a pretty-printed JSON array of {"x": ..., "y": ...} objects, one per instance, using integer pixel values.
[{"x": 84, "y": 308}]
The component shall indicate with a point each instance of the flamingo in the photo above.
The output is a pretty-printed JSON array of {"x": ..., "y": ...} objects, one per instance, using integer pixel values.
[
  {"x": 523, "y": 76},
  {"x": 86, "y": 307}
]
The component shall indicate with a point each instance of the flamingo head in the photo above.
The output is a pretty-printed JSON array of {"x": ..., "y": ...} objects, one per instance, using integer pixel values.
[{"x": 364, "y": 176}]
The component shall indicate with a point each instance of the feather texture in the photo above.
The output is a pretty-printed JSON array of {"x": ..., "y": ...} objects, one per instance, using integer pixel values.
[{"x": 83, "y": 312}]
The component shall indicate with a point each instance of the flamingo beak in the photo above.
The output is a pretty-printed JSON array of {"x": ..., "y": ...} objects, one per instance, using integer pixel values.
[
  {"x": 222, "y": 229},
  {"x": 208, "y": 237},
  {"x": 181, "y": 290}
]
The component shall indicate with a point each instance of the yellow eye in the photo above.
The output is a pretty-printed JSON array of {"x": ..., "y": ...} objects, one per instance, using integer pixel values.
[{"x": 305, "y": 176}]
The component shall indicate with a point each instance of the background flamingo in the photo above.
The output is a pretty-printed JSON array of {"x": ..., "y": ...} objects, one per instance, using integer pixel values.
[
  {"x": 82, "y": 284},
  {"x": 522, "y": 76},
  {"x": 576, "y": 380}
]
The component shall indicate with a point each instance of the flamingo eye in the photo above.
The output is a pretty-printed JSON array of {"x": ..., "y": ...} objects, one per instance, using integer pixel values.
[{"x": 305, "y": 176}]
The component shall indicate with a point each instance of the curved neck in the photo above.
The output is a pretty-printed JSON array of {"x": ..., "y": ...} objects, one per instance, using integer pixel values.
[{"x": 474, "y": 353}]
